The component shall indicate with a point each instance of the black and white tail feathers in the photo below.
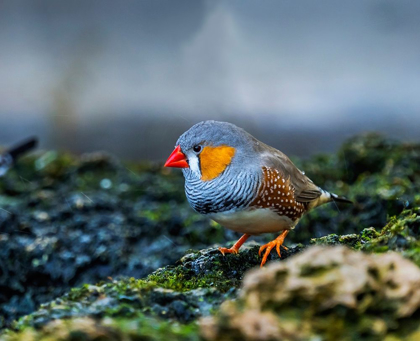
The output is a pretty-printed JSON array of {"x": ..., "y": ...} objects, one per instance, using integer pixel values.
[
  {"x": 337, "y": 198},
  {"x": 22, "y": 148},
  {"x": 326, "y": 197},
  {"x": 9, "y": 157}
]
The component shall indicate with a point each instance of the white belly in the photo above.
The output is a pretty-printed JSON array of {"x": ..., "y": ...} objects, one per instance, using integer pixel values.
[{"x": 253, "y": 222}]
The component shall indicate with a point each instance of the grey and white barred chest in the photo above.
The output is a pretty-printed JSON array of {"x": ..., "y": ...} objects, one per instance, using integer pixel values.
[{"x": 222, "y": 194}]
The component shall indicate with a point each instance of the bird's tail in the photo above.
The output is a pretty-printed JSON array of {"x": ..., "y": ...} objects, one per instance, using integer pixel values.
[
  {"x": 327, "y": 197},
  {"x": 8, "y": 158},
  {"x": 336, "y": 198},
  {"x": 22, "y": 148}
]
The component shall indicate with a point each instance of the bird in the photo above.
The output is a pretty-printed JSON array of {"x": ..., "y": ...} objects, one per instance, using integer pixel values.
[
  {"x": 10, "y": 156},
  {"x": 244, "y": 184}
]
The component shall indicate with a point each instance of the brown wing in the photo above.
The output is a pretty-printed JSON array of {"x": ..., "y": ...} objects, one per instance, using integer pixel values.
[
  {"x": 277, "y": 193},
  {"x": 305, "y": 190}
]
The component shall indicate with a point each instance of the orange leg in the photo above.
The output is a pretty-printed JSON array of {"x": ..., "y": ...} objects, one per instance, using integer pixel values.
[
  {"x": 235, "y": 248},
  {"x": 269, "y": 246}
]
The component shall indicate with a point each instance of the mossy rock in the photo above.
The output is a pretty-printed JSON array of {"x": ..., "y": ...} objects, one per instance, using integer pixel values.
[
  {"x": 196, "y": 286},
  {"x": 72, "y": 220},
  {"x": 401, "y": 234},
  {"x": 324, "y": 293},
  {"x": 202, "y": 280}
]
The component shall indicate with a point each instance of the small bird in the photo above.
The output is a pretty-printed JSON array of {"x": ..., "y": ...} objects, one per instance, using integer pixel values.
[
  {"x": 9, "y": 157},
  {"x": 244, "y": 184}
]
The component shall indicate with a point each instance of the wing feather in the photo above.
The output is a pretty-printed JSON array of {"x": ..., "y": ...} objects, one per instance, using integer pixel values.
[{"x": 305, "y": 189}]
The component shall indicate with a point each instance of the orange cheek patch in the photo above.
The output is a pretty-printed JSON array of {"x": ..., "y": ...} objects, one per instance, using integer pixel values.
[{"x": 214, "y": 160}]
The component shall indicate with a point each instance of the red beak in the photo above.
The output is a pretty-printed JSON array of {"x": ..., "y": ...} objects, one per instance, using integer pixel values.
[{"x": 177, "y": 159}]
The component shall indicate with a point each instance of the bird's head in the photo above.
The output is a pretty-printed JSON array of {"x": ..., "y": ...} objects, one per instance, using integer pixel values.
[{"x": 208, "y": 148}]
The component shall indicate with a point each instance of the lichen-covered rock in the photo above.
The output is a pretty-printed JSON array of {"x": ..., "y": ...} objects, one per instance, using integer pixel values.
[
  {"x": 126, "y": 298},
  {"x": 352, "y": 240},
  {"x": 194, "y": 288},
  {"x": 170, "y": 299},
  {"x": 325, "y": 293}
]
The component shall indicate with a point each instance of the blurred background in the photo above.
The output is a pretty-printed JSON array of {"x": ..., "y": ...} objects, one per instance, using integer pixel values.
[{"x": 129, "y": 77}]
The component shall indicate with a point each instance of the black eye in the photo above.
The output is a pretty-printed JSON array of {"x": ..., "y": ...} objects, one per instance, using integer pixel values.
[{"x": 197, "y": 148}]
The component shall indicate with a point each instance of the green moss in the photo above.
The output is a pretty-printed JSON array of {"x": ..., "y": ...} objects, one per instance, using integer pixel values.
[
  {"x": 351, "y": 240},
  {"x": 210, "y": 269},
  {"x": 140, "y": 328},
  {"x": 368, "y": 234},
  {"x": 109, "y": 299},
  {"x": 183, "y": 280},
  {"x": 401, "y": 234}
]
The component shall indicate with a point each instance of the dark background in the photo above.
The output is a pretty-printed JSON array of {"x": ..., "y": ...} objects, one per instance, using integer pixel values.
[{"x": 129, "y": 77}]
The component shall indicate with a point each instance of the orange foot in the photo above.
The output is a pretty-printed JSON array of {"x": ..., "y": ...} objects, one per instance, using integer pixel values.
[
  {"x": 234, "y": 248},
  {"x": 269, "y": 246},
  {"x": 225, "y": 250}
]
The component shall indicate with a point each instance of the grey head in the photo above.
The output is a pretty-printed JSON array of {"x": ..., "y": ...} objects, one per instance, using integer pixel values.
[
  {"x": 235, "y": 184},
  {"x": 215, "y": 133}
]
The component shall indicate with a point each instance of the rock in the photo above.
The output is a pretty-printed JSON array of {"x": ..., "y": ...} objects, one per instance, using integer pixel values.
[
  {"x": 202, "y": 280},
  {"x": 324, "y": 293},
  {"x": 209, "y": 268},
  {"x": 194, "y": 288},
  {"x": 401, "y": 233}
]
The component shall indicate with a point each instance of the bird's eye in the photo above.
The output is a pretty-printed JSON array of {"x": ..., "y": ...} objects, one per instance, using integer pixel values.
[{"x": 197, "y": 148}]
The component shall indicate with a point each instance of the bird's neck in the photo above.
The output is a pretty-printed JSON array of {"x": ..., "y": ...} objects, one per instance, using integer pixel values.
[{"x": 227, "y": 192}]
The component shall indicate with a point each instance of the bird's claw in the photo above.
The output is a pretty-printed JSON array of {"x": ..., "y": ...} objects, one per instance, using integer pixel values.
[
  {"x": 269, "y": 246},
  {"x": 224, "y": 250}
]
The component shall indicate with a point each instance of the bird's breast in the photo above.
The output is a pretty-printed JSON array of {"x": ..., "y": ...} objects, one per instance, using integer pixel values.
[{"x": 227, "y": 192}]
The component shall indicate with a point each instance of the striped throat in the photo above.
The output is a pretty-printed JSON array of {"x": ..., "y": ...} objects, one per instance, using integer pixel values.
[{"x": 229, "y": 191}]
